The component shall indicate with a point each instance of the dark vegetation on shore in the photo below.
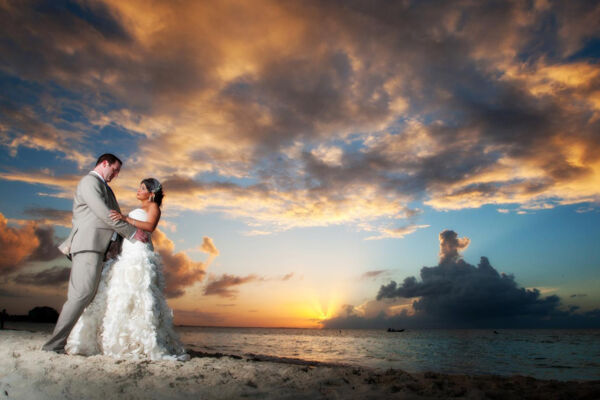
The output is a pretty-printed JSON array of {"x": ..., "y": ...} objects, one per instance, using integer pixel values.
[{"x": 42, "y": 314}]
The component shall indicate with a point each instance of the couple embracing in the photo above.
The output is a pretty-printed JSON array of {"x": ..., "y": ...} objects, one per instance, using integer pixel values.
[{"x": 115, "y": 304}]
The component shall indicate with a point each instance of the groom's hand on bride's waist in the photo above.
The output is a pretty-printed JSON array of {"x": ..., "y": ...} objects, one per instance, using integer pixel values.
[{"x": 142, "y": 236}]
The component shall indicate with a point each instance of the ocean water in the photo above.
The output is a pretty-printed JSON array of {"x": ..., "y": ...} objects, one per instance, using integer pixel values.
[
  {"x": 543, "y": 354},
  {"x": 539, "y": 353}
]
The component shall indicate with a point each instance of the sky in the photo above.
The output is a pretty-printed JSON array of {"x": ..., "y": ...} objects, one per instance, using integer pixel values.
[{"x": 338, "y": 164}]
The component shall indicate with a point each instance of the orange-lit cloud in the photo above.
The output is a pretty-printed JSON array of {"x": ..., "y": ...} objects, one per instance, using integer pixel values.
[
  {"x": 222, "y": 286},
  {"x": 208, "y": 246},
  {"x": 225, "y": 285},
  {"x": 397, "y": 232},
  {"x": 180, "y": 271},
  {"x": 16, "y": 244},
  {"x": 349, "y": 131},
  {"x": 30, "y": 241}
]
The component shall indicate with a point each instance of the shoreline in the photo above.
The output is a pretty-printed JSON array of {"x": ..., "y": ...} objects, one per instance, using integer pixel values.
[{"x": 29, "y": 373}]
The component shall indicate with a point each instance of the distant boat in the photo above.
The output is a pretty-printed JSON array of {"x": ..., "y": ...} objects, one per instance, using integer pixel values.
[{"x": 395, "y": 330}]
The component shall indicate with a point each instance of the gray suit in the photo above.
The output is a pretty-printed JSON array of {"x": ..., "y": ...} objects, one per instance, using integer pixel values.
[{"x": 87, "y": 245}]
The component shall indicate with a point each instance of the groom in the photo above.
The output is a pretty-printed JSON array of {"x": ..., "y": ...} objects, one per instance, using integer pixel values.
[{"x": 93, "y": 239}]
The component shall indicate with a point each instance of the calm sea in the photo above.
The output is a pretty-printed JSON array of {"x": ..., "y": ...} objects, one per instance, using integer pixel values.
[
  {"x": 544, "y": 354},
  {"x": 540, "y": 353}
]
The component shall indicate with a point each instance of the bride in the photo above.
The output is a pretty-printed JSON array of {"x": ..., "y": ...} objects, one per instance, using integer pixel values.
[{"x": 129, "y": 317}]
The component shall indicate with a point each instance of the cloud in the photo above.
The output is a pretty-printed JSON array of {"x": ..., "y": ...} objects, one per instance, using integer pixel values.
[
  {"x": 49, "y": 277},
  {"x": 373, "y": 274},
  {"x": 180, "y": 271},
  {"x": 397, "y": 233},
  {"x": 66, "y": 184},
  {"x": 222, "y": 286},
  {"x": 448, "y": 104},
  {"x": 28, "y": 242},
  {"x": 50, "y": 216},
  {"x": 451, "y": 245},
  {"x": 208, "y": 246},
  {"x": 16, "y": 245},
  {"x": 12, "y": 293},
  {"x": 46, "y": 249},
  {"x": 32, "y": 242},
  {"x": 578, "y": 295},
  {"x": 331, "y": 156},
  {"x": 457, "y": 294},
  {"x": 459, "y": 291},
  {"x": 287, "y": 277},
  {"x": 197, "y": 317},
  {"x": 30, "y": 130}
]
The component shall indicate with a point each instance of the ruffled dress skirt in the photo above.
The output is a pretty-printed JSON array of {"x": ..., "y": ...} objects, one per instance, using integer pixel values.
[{"x": 129, "y": 317}]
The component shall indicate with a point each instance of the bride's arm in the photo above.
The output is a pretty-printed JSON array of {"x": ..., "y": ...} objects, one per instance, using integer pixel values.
[{"x": 149, "y": 226}]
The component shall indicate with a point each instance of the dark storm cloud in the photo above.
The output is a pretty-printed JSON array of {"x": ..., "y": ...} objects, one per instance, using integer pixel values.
[
  {"x": 56, "y": 40},
  {"x": 459, "y": 291},
  {"x": 97, "y": 15},
  {"x": 457, "y": 294},
  {"x": 46, "y": 249},
  {"x": 307, "y": 96},
  {"x": 49, "y": 277},
  {"x": 567, "y": 320}
]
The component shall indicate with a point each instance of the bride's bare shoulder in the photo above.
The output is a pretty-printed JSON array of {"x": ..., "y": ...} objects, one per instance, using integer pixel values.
[{"x": 153, "y": 208}]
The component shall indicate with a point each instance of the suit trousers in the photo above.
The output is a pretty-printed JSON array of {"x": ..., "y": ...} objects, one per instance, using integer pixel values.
[{"x": 86, "y": 271}]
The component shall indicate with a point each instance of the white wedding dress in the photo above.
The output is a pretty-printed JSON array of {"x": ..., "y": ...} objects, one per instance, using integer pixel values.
[{"x": 129, "y": 316}]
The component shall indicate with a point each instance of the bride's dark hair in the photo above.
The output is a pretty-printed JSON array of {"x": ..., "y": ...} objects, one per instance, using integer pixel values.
[{"x": 155, "y": 188}]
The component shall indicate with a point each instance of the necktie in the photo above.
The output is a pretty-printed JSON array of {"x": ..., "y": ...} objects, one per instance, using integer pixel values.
[
  {"x": 110, "y": 190},
  {"x": 114, "y": 235}
]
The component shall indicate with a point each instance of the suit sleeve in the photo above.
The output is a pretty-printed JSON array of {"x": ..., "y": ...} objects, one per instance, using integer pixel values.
[{"x": 92, "y": 194}]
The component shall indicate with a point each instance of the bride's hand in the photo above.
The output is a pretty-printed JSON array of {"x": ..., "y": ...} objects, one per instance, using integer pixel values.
[{"x": 116, "y": 216}]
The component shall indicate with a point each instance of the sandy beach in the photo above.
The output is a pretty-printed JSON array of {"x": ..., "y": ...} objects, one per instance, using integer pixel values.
[{"x": 29, "y": 373}]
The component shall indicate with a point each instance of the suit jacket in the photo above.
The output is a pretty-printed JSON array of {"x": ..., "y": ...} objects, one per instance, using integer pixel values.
[{"x": 92, "y": 227}]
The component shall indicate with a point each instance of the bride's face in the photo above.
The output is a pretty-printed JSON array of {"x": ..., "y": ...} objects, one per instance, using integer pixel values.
[{"x": 142, "y": 192}]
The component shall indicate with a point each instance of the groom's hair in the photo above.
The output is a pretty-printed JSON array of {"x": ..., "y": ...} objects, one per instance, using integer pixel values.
[{"x": 111, "y": 158}]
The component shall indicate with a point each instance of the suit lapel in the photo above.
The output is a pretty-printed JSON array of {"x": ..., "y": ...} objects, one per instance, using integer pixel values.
[{"x": 110, "y": 196}]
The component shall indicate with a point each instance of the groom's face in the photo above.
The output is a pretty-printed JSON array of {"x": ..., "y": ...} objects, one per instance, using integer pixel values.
[{"x": 111, "y": 171}]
